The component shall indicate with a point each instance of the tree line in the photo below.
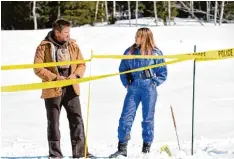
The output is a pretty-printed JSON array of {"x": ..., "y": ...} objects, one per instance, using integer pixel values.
[{"x": 22, "y": 15}]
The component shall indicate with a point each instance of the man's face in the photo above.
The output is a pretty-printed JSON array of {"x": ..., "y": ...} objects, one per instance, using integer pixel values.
[{"x": 64, "y": 35}]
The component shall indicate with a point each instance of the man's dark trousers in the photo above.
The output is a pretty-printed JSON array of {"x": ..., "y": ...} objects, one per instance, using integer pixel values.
[{"x": 71, "y": 103}]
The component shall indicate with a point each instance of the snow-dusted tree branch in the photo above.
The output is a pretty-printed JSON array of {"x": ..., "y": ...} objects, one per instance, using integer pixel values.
[
  {"x": 155, "y": 12},
  {"x": 208, "y": 11},
  {"x": 221, "y": 14},
  {"x": 34, "y": 14},
  {"x": 106, "y": 8},
  {"x": 96, "y": 11},
  {"x": 191, "y": 7},
  {"x": 58, "y": 10},
  {"x": 169, "y": 12},
  {"x": 114, "y": 9},
  {"x": 215, "y": 13},
  {"x": 129, "y": 13},
  {"x": 136, "y": 13},
  {"x": 188, "y": 9},
  {"x": 204, "y": 12},
  {"x": 102, "y": 8}
]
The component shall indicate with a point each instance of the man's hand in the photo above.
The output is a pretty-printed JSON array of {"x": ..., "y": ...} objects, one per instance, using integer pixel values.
[
  {"x": 72, "y": 76},
  {"x": 60, "y": 78}
]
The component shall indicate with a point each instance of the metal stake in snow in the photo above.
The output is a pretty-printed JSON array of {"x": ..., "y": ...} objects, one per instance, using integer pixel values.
[
  {"x": 174, "y": 122},
  {"x": 88, "y": 109},
  {"x": 194, "y": 73}
]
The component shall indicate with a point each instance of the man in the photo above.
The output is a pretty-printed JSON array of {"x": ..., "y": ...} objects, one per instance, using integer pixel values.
[{"x": 57, "y": 46}]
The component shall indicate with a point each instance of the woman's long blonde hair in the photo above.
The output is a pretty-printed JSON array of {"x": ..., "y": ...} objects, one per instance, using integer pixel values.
[{"x": 147, "y": 41}]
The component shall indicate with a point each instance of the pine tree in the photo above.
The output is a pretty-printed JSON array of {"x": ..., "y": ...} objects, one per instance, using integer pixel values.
[
  {"x": 78, "y": 12},
  {"x": 229, "y": 11},
  {"x": 47, "y": 13},
  {"x": 16, "y": 15},
  {"x": 163, "y": 11},
  {"x": 82, "y": 12},
  {"x": 19, "y": 15}
]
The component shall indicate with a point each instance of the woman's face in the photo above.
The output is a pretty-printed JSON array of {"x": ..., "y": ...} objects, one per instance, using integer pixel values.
[{"x": 137, "y": 39}]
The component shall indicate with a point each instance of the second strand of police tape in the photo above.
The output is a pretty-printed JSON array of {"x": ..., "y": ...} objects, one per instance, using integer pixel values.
[{"x": 54, "y": 84}]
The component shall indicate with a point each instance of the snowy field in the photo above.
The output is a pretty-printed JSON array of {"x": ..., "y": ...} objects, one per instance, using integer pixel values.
[{"x": 23, "y": 132}]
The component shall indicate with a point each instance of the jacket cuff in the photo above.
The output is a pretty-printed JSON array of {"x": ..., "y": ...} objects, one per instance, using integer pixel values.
[{"x": 54, "y": 77}]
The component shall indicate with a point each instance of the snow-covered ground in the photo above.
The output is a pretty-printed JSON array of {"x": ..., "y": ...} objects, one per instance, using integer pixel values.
[
  {"x": 150, "y": 21},
  {"x": 23, "y": 132}
]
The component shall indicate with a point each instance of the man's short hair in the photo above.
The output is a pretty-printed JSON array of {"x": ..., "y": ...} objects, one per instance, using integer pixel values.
[{"x": 60, "y": 24}]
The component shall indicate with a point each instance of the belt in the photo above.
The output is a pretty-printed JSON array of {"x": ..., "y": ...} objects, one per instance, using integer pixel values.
[{"x": 144, "y": 75}]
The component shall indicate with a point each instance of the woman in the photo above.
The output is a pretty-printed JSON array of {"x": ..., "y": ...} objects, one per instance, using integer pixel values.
[{"x": 141, "y": 87}]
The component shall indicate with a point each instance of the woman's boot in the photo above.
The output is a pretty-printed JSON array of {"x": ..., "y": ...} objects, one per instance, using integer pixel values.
[{"x": 146, "y": 148}]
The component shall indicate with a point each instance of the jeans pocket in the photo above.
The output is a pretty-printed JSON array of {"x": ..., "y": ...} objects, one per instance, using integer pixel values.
[
  {"x": 153, "y": 84},
  {"x": 130, "y": 86}
]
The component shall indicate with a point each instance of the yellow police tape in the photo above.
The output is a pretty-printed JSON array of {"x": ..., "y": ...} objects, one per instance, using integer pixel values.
[
  {"x": 166, "y": 149},
  {"x": 40, "y": 65},
  {"x": 208, "y": 55},
  {"x": 200, "y": 56},
  {"x": 54, "y": 84}
]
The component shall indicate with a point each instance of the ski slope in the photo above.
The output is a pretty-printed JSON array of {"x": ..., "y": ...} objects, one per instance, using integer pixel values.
[{"x": 23, "y": 132}]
